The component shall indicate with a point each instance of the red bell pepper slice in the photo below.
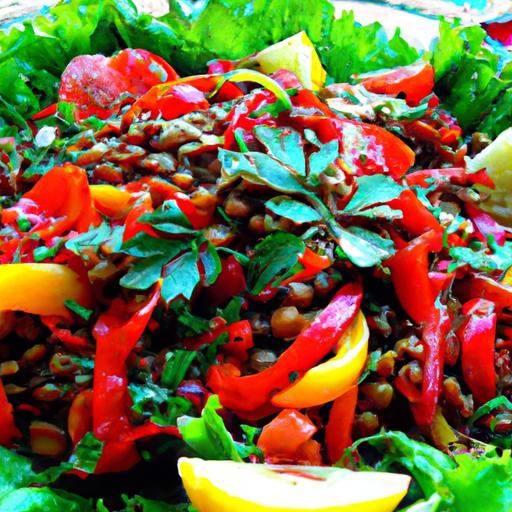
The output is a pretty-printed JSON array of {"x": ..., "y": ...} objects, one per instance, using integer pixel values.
[
  {"x": 313, "y": 264},
  {"x": 133, "y": 227},
  {"x": 485, "y": 225},
  {"x": 478, "y": 337},
  {"x": 116, "y": 334},
  {"x": 8, "y": 429},
  {"x": 485, "y": 287},
  {"x": 61, "y": 199},
  {"x": 338, "y": 431},
  {"x": 162, "y": 190},
  {"x": 436, "y": 329},
  {"x": 250, "y": 396},
  {"x": 48, "y": 111},
  {"x": 409, "y": 274},
  {"x": 417, "y": 219},
  {"x": 500, "y": 29},
  {"x": 231, "y": 282},
  {"x": 284, "y": 439},
  {"x": 70, "y": 340},
  {"x": 455, "y": 175},
  {"x": 416, "y": 81},
  {"x": 240, "y": 118},
  {"x": 239, "y": 339}
]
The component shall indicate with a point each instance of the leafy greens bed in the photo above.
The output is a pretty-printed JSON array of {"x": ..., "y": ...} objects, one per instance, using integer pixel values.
[{"x": 234, "y": 218}]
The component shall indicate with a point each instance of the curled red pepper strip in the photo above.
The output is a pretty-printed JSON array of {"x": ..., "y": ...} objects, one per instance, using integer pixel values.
[
  {"x": 409, "y": 274},
  {"x": 436, "y": 329},
  {"x": 239, "y": 339},
  {"x": 338, "y": 431},
  {"x": 8, "y": 429},
  {"x": 116, "y": 336},
  {"x": 416, "y": 218},
  {"x": 485, "y": 225},
  {"x": 477, "y": 336},
  {"x": 250, "y": 396}
]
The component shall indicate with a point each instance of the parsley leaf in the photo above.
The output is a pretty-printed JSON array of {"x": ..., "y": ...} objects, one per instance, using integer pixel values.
[
  {"x": 284, "y": 144},
  {"x": 181, "y": 276},
  {"x": 169, "y": 218},
  {"x": 321, "y": 159},
  {"x": 291, "y": 209},
  {"x": 276, "y": 253},
  {"x": 260, "y": 168},
  {"x": 372, "y": 190}
]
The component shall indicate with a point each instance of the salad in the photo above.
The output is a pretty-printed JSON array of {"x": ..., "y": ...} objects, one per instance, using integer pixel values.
[{"x": 284, "y": 258}]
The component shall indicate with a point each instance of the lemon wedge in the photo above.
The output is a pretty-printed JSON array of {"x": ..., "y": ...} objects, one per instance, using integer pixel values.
[
  {"x": 497, "y": 159},
  {"x": 296, "y": 54},
  {"x": 226, "y": 486}
]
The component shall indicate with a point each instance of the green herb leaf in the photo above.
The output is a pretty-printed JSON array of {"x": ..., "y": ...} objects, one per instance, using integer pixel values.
[
  {"x": 372, "y": 190},
  {"x": 87, "y": 453},
  {"x": 278, "y": 252},
  {"x": 181, "y": 277},
  {"x": 90, "y": 239},
  {"x": 168, "y": 218},
  {"x": 365, "y": 248},
  {"x": 320, "y": 160},
  {"x": 144, "y": 273},
  {"x": 291, "y": 209},
  {"x": 284, "y": 144},
  {"x": 143, "y": 245},
  {"x": 260, "y": 168}
]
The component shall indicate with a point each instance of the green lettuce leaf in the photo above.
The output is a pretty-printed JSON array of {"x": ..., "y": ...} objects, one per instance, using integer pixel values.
[{"x": 480, "y": 483}]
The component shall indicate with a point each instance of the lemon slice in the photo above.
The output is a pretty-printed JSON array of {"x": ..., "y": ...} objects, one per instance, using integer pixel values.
[
  {"x": 497, "y": 159},
  {"x": 226, "y": 486},
  {"x": 296, "y": 54}
]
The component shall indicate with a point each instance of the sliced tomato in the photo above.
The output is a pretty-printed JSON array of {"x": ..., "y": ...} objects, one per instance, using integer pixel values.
[
  {"x": 93, "y": 86},
  {"x": 144, "y": 69},
  {"x": 95, "y": 83},
  {"x": 415, "y": 81},
  {"x": 370, "y": 149}
]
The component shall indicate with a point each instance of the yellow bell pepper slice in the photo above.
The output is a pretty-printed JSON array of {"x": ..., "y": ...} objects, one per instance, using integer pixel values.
[
  {"x": 41, "y": 288},
  {"x": 331, "y": 379},
  {"x": 110, "y": 200}
]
